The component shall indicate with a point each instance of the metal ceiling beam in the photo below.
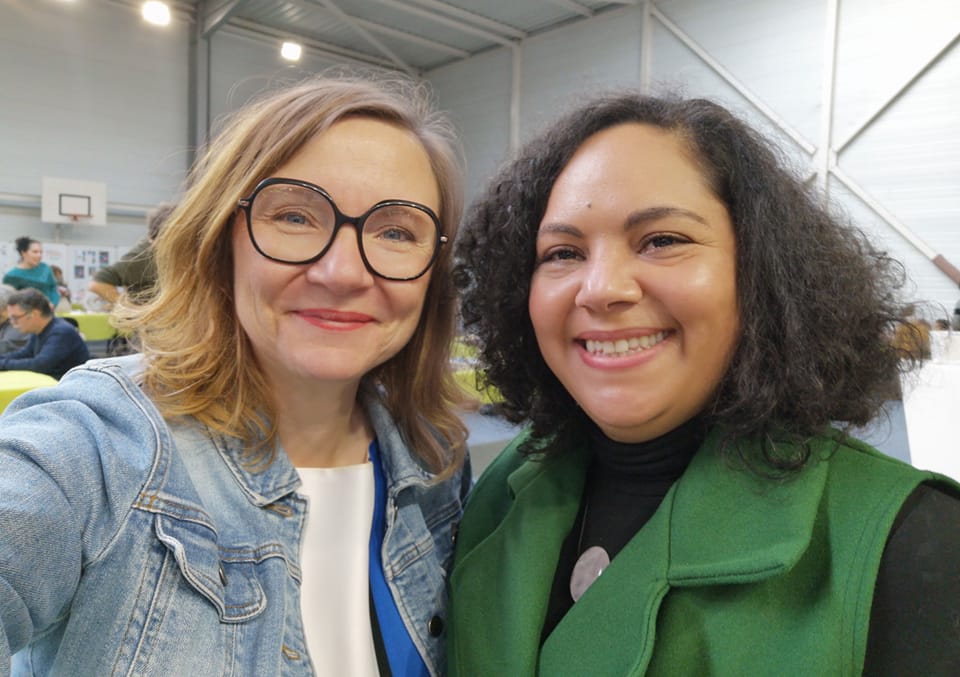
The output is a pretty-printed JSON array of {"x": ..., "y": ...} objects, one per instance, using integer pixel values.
[
  {"x": 446, "y": 21},
  {"x": 403, "y": 36},
  {"x": 472, "y": 18},
  {"x": 414, "y": 39},
  {"x": 214, "y": 18},
  {"x": 859, "y": 129},
  {"x": 366, "y": 35},
  {"x": 261, "y": 31},
  {"x": 729, "y": 78},
  {"x": 573, "y": 7}
]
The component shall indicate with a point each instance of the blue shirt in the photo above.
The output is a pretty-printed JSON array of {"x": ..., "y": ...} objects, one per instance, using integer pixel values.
[
  {"x": 54, "y": 351},
  {"x": 400, "y": 649}
]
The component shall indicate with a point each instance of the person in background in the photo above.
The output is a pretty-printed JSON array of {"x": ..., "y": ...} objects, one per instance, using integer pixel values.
[
  {"x": 11, "y": 338},
  {"x": 272, "y": 487},
  {"x": 912, "y": 335},
  {"x": 54, "y": 346},
  {"x": 681, "y": 322},
  {"x": 136, "y": 271},
  {"x": 63, "y": 306},
  {"x": 31, "y": 271}
]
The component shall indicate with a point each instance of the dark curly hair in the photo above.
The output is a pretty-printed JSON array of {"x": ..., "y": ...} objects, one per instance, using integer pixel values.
[
  {"x": 24, "y": 243},
  {"x": 817, "y": 302}
]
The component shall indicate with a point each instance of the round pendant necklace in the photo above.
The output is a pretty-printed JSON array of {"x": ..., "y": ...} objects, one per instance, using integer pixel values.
[{"x": 590, "y": 564}]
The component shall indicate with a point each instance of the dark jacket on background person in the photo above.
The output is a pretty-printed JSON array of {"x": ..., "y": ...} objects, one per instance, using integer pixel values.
[{"x": 55, "y": 350}]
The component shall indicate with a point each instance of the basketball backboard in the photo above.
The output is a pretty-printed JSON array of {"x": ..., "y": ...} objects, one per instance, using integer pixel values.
[{"x": 73, "y": 201}]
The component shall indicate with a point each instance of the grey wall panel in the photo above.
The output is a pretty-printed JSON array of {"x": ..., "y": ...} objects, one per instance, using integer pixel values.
[
  {"x": 909, "y": 162},
  {"x": 773, "y": 47},
  {"x": 476, "y": 94},
  {"x": 880, "y": 45},
  {"x": 243, "y": 67},
  {"x": 596, "y": 54},
  {"x": 90, "y": 92}
]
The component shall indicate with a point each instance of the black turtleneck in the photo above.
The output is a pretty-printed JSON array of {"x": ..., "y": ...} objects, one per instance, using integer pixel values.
[
  {"x": 915, "y": 619},
  {"x": 625, "y": 485}
]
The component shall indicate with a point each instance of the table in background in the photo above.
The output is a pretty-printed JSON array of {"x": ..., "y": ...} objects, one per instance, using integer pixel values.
[
  {"x": 14, "y": 383},
  {"x": 93, "y": 326}
]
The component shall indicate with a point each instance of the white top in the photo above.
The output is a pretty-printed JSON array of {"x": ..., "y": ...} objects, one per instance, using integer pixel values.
[{"x": 335, "y": 594}]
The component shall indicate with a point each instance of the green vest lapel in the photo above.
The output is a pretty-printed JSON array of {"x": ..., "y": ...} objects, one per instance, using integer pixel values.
[
  {"x": 716, "y": 525},
  {"x": 730, "y": 525},
  {"x": 503, "y": 584}
]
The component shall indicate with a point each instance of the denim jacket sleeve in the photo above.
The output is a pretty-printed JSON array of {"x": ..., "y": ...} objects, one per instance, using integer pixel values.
[{"x": 68, "y": 459}]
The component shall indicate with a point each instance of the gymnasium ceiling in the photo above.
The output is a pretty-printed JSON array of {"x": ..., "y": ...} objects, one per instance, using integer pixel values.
[{"x": 408, "y": 35}]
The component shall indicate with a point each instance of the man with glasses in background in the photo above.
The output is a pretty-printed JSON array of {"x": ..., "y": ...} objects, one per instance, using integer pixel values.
[{"x": 55, "y": 345}]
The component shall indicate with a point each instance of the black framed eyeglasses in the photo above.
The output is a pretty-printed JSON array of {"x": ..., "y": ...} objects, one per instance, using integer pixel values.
[{"x": 287, "y": 218}]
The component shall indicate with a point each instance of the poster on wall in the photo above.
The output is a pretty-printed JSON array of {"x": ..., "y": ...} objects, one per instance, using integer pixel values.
[
  {"x": 8, "y": 256},
  {"x": 83, "y": 261}
]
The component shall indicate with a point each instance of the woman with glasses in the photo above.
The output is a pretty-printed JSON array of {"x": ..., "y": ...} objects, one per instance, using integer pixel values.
[
  {"x": 272, "y": 487},
  {"x": 690, "y": 335}
]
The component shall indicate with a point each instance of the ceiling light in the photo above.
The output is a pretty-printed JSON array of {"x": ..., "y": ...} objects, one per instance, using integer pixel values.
[
  {"x": 290, "y": 51},
  {"x": 156, "y": 12}
]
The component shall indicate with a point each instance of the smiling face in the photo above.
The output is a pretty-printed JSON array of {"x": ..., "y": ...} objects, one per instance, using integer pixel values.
[
  {"x": 332, "y": 320},
  {"x": 633, "y": 298}
]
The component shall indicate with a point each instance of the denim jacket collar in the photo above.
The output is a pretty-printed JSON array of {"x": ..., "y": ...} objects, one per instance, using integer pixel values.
[{"x": 266, "y": 485}]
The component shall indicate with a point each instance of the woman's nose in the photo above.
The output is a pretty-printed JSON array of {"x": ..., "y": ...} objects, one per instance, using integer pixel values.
[
  {"x": 342, "y": 265},
  {"x": 609, "y": 280}
]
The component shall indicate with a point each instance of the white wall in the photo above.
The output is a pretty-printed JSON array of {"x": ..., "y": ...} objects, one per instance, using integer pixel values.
[
  {"x": 92, "y": 93},
  {"x": 476, "y": 94},
  {"x": 771, "y": 61}
]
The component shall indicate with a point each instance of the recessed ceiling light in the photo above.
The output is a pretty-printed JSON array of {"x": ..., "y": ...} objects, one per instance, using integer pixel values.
[
  {"x": 156, "y": 12},
  {"x": 291, "y": 51}
]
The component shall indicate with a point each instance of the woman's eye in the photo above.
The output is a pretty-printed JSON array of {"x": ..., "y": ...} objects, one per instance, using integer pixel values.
[
  {"x": 560, "y": 254},
  {"x": 396, "y": 234},
  {"x": 292, "y": 217},
  {"x": 662, "y": 241}
]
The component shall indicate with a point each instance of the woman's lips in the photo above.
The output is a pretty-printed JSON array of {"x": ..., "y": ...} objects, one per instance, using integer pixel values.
[{"x": 340, "y": 320}]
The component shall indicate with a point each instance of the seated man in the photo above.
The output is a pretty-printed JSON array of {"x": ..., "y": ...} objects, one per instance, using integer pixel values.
[
  {"x": 11, "y": 338},
  {"x": 136, "y": 271},
  {"x": 55, "y": 345}
]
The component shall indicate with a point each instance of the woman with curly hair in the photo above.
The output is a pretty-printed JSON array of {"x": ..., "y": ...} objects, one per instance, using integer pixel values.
[{"x": 680, "y": 321}]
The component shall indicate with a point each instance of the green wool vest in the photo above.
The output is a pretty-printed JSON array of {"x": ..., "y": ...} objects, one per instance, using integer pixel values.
[{"x": 733, "y": 575}]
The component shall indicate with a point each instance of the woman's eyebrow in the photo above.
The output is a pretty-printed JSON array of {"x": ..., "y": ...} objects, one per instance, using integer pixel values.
[
  {"x": 559, "y": 228},
  {"x": 649, "y": 214},
  {"x": 634, "y": 219}
]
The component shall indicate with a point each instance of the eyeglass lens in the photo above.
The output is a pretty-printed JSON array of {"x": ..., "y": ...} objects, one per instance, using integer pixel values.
[{"x": 293, "y": 224}]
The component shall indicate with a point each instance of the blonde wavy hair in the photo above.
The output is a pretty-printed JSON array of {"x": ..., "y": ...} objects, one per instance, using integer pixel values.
[{"x": 200, "y": 362}]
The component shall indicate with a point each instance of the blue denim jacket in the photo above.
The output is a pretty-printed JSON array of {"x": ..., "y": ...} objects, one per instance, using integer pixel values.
[{"x": 130, "y": 545}]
